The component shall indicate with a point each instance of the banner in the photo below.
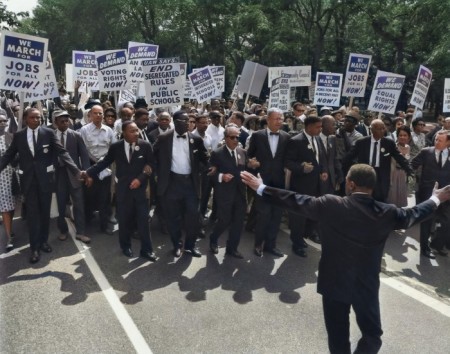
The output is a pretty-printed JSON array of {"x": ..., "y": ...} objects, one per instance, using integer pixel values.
[
  {"x": 203, "y": 85},
  {"x": 50, "y": 84},
  {"x": 328, "y": 89},
  {"x": 280, "y": 93},
  {"x": 163, "y": 85},
  {"x": 252, "y": 78},
  {"x": 85, "y": 69},
  {"x": 137, "y": 52},
  {"x": 356, "y": 76},
  {"x": 423, "y": 83},
  {"x": 22, "y": 62},
  {"x": 446, "y": 106},
  {"x": 299, "y": 75},
  {"x": 112, "y": 69},
  {"x": 386, "y": 92}
]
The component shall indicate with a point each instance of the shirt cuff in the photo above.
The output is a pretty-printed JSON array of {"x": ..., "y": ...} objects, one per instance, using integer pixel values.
[
  {"x": 435, "y": 199},
  {"x": 220, "y": 177},
  {"x": 260, "y": 189}
]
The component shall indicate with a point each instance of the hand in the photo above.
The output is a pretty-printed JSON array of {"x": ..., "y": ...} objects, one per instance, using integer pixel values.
[
  {"x": 135, "y": 184},
  {"x": 307, "y": 167},
  {"x": 147, "y": 170},
  {"x": 253, "y": 163},
  {"x": 250, "y": 180},
  {"x": 83, "y": 175},
  {"x": 227, "y": 177},
  {"x": 88, "y": 181},
  {"x": 212, "y": 171},
  {"x": 442, "y": 194},
  {"x": 77, "y": 84},
  {"x": 324, "y": 176}
]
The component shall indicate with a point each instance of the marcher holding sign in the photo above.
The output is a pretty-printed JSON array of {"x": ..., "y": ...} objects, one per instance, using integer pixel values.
[
  {"x": 328, "y": 89},
  {"x": 386, "y": 92},
  {"x": 22, "y": 62},
  {"x": 112, "y": 69},
  {"x": 423, "y": 83},
  {"x": 356, "y": 76}
]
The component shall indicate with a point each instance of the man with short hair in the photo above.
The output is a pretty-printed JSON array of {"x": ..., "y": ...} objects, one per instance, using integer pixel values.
[
  {"x": 418, "y": 141},
  {"x": 238, "y": 118},
  {"x": 141, "y": 118},
  {"x": 354, "y": 230},
  {"x": 125, "y": 114},
  {"x": 215, "y": 129},
  {"x": 163, "y": 120}
]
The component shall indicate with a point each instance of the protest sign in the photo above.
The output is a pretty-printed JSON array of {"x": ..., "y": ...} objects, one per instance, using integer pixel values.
[
  {"x": 22, "y": 62},
  {"x": 446, "y": 107},
  {"x": 218, "y": 73},
  {"x": 280, "y": 93},
  {"x": 328, "y": 89},
  {"x": 386, "y": 92},
  {"x": 112, "y": 69},
  {"x": 423, "y": 83},
  {"x": 299, "y": 75},
  {"x": 163, "y": 85},
  {"x": 85, "y": 69},
  {"x": 252, "y": 78},
  {"x": 137, "y": 52},
  {"x": 357, "y": 74},
  {"x": 235, "y": 94},
  {"x": 203, "y": 85},
  {"x": 50, "y": 84},
  {"x": 69, "y": 77}
]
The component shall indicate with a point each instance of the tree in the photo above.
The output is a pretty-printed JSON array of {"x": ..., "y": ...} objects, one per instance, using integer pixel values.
[{"x": 9, "y": 19}]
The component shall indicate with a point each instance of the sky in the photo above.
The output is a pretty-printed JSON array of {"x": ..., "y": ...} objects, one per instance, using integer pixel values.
[{"x": 20, "y": 5}]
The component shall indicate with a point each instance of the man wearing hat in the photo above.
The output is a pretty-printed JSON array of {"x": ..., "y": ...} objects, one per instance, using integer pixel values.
[
  {"x": 66, "y": 183},
  {"x": 324, "y": 111},
  {"x": 351, "y": 119}
]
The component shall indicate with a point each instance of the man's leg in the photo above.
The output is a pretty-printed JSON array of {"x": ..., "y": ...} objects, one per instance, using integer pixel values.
[{"x": 336, "y": 315}]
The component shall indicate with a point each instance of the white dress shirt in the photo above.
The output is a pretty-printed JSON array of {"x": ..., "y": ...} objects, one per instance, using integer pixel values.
[
  {"x": 377, "y": 162},
  {"x": 181, "y": 160},
  {"x": 30, "y": 138}
]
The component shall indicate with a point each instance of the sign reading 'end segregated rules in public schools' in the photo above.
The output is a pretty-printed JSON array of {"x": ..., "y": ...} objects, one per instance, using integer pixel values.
[{"x": 22, "y": 62}]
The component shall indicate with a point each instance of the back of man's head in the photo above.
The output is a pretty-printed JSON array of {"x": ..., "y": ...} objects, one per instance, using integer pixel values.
[{"x": 364, "y": 176}]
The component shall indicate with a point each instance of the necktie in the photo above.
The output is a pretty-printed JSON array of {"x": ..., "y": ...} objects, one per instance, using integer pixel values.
[
  {"x": 370, "y": 132},
  {"x": 181, "y": 136},
  {"x": 34, "y": 142},
  {"x": 440, "y": 159},
  {"x": 374, "y": 154},
  {"x": 130, "y": 153},
  {"x": 143, "y": 135},
  {"x": 233, "y": 156},
  {"x": 326, "y": 144},
  {"x": 63, "y": 141},
  {"x": 313, "y": 145}
]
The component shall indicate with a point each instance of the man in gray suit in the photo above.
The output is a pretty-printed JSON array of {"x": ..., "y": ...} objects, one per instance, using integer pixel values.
[{"x": 353, "y": 230}]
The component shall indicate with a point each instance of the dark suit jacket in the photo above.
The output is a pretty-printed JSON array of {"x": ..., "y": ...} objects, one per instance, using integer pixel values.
[
  {"x": 243, "y": 135},
  {"x": 78, "y": 152},
  {"x": 298, "y": 151},
  {"x": 332, "y": 166},
  {"x": 153, "y": 136},
  {"x": 163, "y": 154},
  {"x": 222, "y": 159},
  {"x": 126, "y": 171},
  {"x": 431, "y": 172},
  {"x": 360, "y": 153},
  {"x": 362, "y": 129},
  {"x": 41, "y": 165},
  {"x": 272, "y": 167},
  {"x": 353, "y": 231}
]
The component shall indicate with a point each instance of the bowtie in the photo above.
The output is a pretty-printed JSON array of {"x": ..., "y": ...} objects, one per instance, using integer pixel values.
[
  {"x": 181, "y": 136},
  {"x": 272, "y": 133}
]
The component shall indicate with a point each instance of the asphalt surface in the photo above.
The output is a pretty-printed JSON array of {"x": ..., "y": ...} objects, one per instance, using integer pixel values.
[{"x": 93, "y": 299}]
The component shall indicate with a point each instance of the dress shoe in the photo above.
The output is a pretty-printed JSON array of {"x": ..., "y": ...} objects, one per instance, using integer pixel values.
[
  {"x": 440, "y": 252},
  {"x": 46, "y": 247},
  {"x": 235, "y": 254},
  {"x": 177, "y": 252},
  {"x": 304, "y": 244},
  {"x": 427, "y": 253},
  {"x": 315, "y": 238},
  {"x": 128, "y": 252},
  {"x": 301, "y": 252},
  {"x": 112, "y": 220},
  {"x": 148, "y": 255},
  {"x": 194, "y": 252},
  {"x": 34, "y": 257},
  {"x": 106, "y": 231},
  {"x": 214, "y": 248},
  {"x": 258, "y": 252},
  {"x": 62, "y": 237},
  {"x": 275, "y": 251},
  {"x": 83, "y": 238},
  {"x": 9, "y": 247},
  {"x": 201, "y": 235}
]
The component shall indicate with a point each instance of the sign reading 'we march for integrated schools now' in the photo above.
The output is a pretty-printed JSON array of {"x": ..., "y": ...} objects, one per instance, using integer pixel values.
[
  {"x": 386, "y": 92},
  {"x": 423, "y": 83},
  {"x": 203, "y": 85},
  {"x": 112, "y": 69},
  {"x": 22, "y": 62},
  {"x": 328, "y": 89},
  {"x": 85, "y": 69}
]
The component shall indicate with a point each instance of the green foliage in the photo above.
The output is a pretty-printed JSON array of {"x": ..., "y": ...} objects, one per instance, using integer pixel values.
[{"x": 9, "y": 19}]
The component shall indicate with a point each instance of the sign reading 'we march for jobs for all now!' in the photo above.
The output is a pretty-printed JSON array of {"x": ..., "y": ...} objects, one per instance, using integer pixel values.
[
  {"x": 22, "y": 62},
  {"x": 85, "y": 69}
]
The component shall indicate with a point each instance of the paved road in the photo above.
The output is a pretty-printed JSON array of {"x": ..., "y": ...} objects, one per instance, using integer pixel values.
[{"x": 94, "y": 300}]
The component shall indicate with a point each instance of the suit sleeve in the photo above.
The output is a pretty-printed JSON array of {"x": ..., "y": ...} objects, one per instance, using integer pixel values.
[
  {"x": 82, "y": 152},
  {"x": 103, "y": 163},
  {"x": 418, "y": 160},
  {"x": 407, "y": 217},
  {"x": 149, "y": 160},
  {"x": 63, "y": 154},
  {"x": 350, "y": 157}
]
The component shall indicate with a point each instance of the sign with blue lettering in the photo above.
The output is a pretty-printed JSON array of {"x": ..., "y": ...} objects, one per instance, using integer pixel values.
[
  {"x": 386, "y": 92},
  {"x": 423, "y": 83},
  {"x": 203, "y": 85},
  {"x": 50, "y": 84},
  {"x": 328, "y": 89},
  {"x": 85, "y": 69},
  {"x": 112, "y": 69},
  {"x": 137, "y": 53},
  {"x": 356, "y": 76},
  {"x": 22, "y": 62}
]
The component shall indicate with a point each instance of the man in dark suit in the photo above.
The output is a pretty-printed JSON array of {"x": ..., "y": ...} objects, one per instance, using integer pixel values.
[
  {"x": 66, "y": 184},
  {"x": 37, "y": 147},
  {"x": 435, "y": 168},
  {"x": 179, "y": 156},
  {"x": 134, "y": 163},
  {"x": 305, "y": 160},
  {"x": 266, "y": 156},
  {"x": 163, "y": 125},
  {"x": 354, "y": 230},
  {"x": 364, "y": 126},
  {"x": 229, "y": 161},
  {"x": 377, "y": 151},
  {"x": 238, "y": 118}
]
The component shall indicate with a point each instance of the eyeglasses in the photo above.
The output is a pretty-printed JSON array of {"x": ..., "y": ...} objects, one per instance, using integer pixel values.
[
  {"x": 233, "y": 137},
  {"x": 110, "y": 116}
]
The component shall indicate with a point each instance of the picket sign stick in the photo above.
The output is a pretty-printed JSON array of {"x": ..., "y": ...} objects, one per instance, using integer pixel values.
[
  {"x": 41, "y": 110},
  {"x": 380, "y": 114},
  {"x": 22, "y": 103},
  {"x": 250, "y": 86},
  {"x": 350, "y": 104}
]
